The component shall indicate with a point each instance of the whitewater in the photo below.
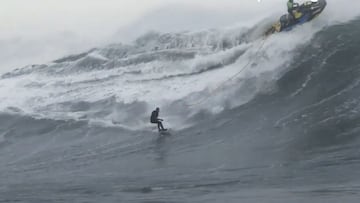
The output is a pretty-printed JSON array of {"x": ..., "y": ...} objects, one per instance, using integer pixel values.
[{"x": 253, "y": 119}]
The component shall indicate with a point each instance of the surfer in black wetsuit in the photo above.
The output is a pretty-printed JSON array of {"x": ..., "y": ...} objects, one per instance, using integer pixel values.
[{"x": 154, "y": 119}]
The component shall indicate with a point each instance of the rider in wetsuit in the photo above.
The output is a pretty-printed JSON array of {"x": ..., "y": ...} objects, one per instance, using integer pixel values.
[
  {"x": 154, "y": 119},
  {"x": 292, "y": 7}
]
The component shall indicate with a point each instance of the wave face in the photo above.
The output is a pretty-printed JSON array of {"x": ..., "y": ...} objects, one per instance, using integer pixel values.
[{"x": 285, "y": 128}]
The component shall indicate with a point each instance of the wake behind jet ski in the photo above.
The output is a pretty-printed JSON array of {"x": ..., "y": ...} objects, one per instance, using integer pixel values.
[{"x": 298, "y": 15}]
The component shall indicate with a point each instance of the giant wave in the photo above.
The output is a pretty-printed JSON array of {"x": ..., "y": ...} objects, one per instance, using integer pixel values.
[{"x": 285, "y": 128}]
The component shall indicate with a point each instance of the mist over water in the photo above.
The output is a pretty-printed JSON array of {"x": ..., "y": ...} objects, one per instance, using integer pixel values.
[{"x": 252, "y": 119}]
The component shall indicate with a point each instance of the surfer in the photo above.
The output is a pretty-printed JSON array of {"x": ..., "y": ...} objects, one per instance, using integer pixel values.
[{"x": 154, "y": 119}]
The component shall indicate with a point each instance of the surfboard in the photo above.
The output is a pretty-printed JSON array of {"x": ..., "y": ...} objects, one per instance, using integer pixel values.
[{"x": 164, "y": 132}]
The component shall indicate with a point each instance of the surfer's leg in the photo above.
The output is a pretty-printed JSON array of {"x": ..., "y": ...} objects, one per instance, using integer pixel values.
[{"x": 161, "y": 126}]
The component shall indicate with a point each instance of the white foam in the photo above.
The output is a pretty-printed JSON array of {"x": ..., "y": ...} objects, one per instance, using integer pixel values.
[{"x": 44, "y": 94}]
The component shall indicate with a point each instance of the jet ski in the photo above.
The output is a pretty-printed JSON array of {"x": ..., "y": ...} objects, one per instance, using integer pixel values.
[{"x": 304, "y": 13}]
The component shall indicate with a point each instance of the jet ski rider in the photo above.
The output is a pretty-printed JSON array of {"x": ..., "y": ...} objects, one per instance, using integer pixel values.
[{"x": 293, "y": 9}]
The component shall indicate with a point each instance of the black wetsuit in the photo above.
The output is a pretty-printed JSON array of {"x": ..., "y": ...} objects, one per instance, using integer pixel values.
[{"x": 154, "y": 119}]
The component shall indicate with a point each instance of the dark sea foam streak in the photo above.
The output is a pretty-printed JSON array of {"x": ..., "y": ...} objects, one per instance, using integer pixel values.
[{"x": 299, "y": 143}]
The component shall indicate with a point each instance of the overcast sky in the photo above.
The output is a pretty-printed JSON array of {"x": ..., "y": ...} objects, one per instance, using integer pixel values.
[{"x": 38, "y": 31}]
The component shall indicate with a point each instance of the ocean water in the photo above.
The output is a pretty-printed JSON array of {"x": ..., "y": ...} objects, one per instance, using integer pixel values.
[{"x": 252, "y": 120}]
